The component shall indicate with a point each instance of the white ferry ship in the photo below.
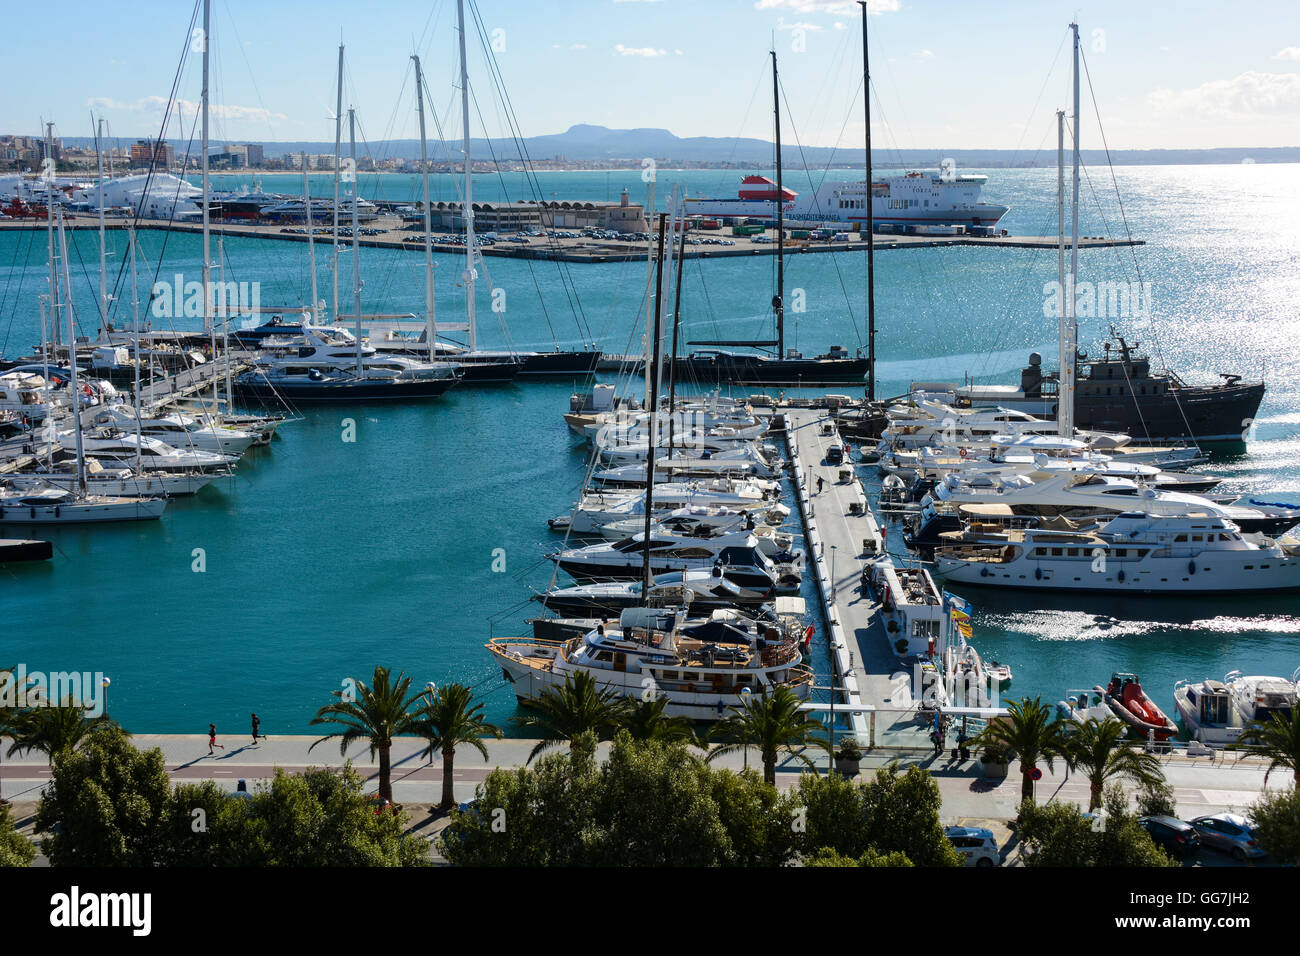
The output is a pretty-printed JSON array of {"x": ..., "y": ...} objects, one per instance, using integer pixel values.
[{"x": 943, "y": 198}]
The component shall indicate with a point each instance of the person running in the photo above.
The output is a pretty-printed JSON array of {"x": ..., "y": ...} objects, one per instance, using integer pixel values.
[
  {"x": 212, "y": 738},
  {"x": 256, "y": 726}
]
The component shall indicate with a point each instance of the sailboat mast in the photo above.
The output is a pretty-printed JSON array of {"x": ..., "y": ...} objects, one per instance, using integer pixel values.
[
  {"x": 338, "y": 139},
  {"x": 103, "y": 263},
  {"x": 73, "y": 387},
  {"x": 1062, "y": 422},
  {"x": 778, "y": 300},
  {"x": 430, "y": 321},
  {"x": 207, "y": 225},
  {"x": 311, "y": 241},
  {"x": 871, "y": 223},
  {"x": 1065, "y": 403},
  {"x": 135, "y": 324},
  {"x": 356, "y": 249},
  {"x": 467, "y": 210},
  {"x": 672, "y": 364},
  {"x": 55, "y": 334},
  {"x": 653, "y": 402}
]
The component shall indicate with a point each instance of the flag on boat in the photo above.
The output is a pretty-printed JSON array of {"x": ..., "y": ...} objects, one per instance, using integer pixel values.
[{"x": 956, "y": 603}]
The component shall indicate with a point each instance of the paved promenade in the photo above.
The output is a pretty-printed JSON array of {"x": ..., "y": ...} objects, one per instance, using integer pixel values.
[{"x": 1203, "y": 785}]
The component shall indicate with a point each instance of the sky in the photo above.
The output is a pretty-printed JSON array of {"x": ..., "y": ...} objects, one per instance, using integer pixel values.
[{"x": 944, "y": 74}]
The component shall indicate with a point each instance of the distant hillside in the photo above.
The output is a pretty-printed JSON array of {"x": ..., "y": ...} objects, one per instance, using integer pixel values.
[{"x": 586, "y": 143}]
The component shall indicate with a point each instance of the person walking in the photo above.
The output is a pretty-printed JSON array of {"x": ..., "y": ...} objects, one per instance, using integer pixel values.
[
  {"x": 256, "y": 726},
  {"x": 212, "y": 738},
  {"x": 820, "y": 481}
]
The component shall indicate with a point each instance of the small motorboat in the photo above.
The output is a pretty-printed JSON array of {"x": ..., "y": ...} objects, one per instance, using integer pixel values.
[{"x": 1130, "y": 703}]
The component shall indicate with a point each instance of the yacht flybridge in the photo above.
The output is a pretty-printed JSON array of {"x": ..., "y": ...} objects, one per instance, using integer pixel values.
[{"x": 742, "y": 553}]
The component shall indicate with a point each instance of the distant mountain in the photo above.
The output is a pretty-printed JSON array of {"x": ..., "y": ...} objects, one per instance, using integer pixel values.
[{"x": 588, "y": 143}]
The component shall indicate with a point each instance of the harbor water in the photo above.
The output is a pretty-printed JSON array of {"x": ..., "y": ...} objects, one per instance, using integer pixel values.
[{"x": 412, "y": 544}]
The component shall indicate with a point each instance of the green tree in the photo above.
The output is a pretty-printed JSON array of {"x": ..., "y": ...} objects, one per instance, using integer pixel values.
[
  {"x": 1029, "y": 733},
  {"x": 893, "y": 813},
  {"x": 1099, "y": 749},
  {"x": 447, "y": 719},
  {"x": 1275, "y": 818},
  {"x": 1156, "y": 799},
  {"x": 109, "y": 801},
  {"x": 1278, "y": 739},
  {"x": 51, "y": 730},
  {"x": 773, "y": 723},
  {"x": 759, "y": 820},
  {"x": 530, "y": 816},
  {"x": 318, "y": 818},
  {"x": 1059, "y": 834},
  {"x": 563, "y": 713},
  {"x": 646, "y": 720},
  {"x": 376, "y": 713},
  {"x": 15, "y": 849},
  {"x": 828, "y": 857}
]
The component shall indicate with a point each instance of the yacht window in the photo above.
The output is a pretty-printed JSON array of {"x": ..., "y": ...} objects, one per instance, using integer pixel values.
[
  {"x": 604, "y": 656},
  {"x": 1073, "y": 552},
  {"x": 1057, "y": 552},
  {"x": 1180, "y": 538},
  {"x": 1121, "y": 552}
]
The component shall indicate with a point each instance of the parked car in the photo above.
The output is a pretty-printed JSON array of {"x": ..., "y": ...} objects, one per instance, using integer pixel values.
[
  {"x": 1230, "y": 833},
  {"x": 976, "y": 844},
  {"x": 1176, "y": 836}
]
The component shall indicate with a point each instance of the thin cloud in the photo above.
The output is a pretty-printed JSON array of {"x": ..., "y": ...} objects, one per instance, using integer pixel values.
[
  {"x": 1288, "y": 53},
  {"x": 187, "y": 108},
  {"x": 1249, "y": 95},
  {"x": 622, "y": 50},
  {"x": 833, "y": 7}
]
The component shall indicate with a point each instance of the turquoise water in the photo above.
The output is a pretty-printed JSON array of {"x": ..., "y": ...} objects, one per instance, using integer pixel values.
[{"x": 324, "y": 558}]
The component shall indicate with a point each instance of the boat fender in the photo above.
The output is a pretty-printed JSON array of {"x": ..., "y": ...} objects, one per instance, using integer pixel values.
[
  {"x": 58, "y": 510},
  {"x": 984, "y": 572},
  {"x": 1038, "y": 574},
  {"x": 33, "y": 513},
  {"x": 1191, "y": 567},
  {"x": 1121, "y": 575}
]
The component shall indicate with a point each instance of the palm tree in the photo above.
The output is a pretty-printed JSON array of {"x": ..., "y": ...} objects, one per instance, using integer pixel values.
[
  {"x": 646, "y": 721},
  {"x": 1099, "y": 749},
  {"x": 1031, "y": 733},
  {"x": 51, "y": 730},
  {"x": 1278, "y": 739},
  {"x": 448, "y": 719},
  {"x": 577, "y": 707},
  {"x": 772, "y": 723},
  {"x": 375, "y": 713}
]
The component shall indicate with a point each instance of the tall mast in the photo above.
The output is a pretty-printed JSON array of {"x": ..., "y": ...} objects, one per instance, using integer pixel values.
[
  {"x": 135, "y": 324},
  {"x": 1065, "y": 403},
  {"x": 338, "y": 139},
  {"x": 653, "y": 401},
  {"x": 356, "y": 249},
  {"x": 677, "y": 321},
  {"x": 103, "y": 265},
  {"x": 467, "y": 210},
  {"x": 73, "y": 387},
  {"x": 871, "y": 223},
  {"x": 311, "y": 241},
  {"x": 430, "y": 321},
  {"x": 207, "y": 226},
  {"x": 1062, "y": 423},
  {"x": 778, "y": 300},
  {"x": 55, "y": 334},
  {"x": 649, "y": 293}
]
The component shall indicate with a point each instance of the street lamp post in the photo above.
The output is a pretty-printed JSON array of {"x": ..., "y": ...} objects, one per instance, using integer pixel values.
[
  {"x": 744, "y": 701},
  {"x": 104, "y": 682}
]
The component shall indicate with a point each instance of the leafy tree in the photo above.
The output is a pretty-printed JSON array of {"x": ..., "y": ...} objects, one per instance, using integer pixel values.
[
  {"x": 564, "y": 713},
  {"x": 828, "y": 857},
  {"x": 449, "y": 718},
  {"x": 1278, "y": 739},
  {"x": 1276, "y": 821},
  {"x": 51, "y": 730},
  {"x": 1031, "y": 733},
  {"x": 529, "y": 816},
  {"x": 375, "y": 713},
  {"x": 108, "y": 800},
  {"x": 1099, "y": 749},
  {"x": 759, "y": 820},
  {"x": 15, "y": 849},
  {"x": 1156, "y": 799},
  {"x": 891, "y": 813},
  {"x": 1059, "y": 834},
  {"x": 773, "y": 723},
  {"x": 646, "y": 720}
]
